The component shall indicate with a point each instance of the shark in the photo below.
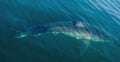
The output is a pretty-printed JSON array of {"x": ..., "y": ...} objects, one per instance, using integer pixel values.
[{"x": 75, "y": 29}]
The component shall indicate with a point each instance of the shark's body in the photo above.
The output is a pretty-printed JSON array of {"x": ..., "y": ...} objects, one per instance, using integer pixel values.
[{"x": 71, "y": 28}]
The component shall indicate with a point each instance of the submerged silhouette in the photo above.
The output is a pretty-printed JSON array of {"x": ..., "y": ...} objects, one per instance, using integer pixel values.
[{"x": 71, "y": 28}]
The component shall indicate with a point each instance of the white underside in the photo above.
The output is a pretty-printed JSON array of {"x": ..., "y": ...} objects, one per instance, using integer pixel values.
[{"x": 85, "y": 36}]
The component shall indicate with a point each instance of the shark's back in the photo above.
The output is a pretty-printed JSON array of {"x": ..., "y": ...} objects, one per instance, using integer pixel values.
[
  {"x": 46, "y": 27},
  {"x": 38, "y": 29}
]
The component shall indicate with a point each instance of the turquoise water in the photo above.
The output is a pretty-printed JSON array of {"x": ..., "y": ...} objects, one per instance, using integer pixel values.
[{"x": 14, "y": 14}]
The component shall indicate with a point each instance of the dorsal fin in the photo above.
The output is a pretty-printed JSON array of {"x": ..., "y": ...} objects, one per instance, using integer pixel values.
[{"x": 77, "y": 23}]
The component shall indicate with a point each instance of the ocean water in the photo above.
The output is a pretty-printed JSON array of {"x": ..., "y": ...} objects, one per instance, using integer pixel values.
[{"x": 14, "y": 14}]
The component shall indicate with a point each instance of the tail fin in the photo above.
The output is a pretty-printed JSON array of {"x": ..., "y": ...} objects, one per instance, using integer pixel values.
[
  {"x": 22, "y": 34},
  {"x": 20, "y": 26}
]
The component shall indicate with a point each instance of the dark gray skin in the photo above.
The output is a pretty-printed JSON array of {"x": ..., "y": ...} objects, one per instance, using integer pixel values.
[
  {"x": 71, "y": 28},
  {"x": 47, "y": 28}
]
